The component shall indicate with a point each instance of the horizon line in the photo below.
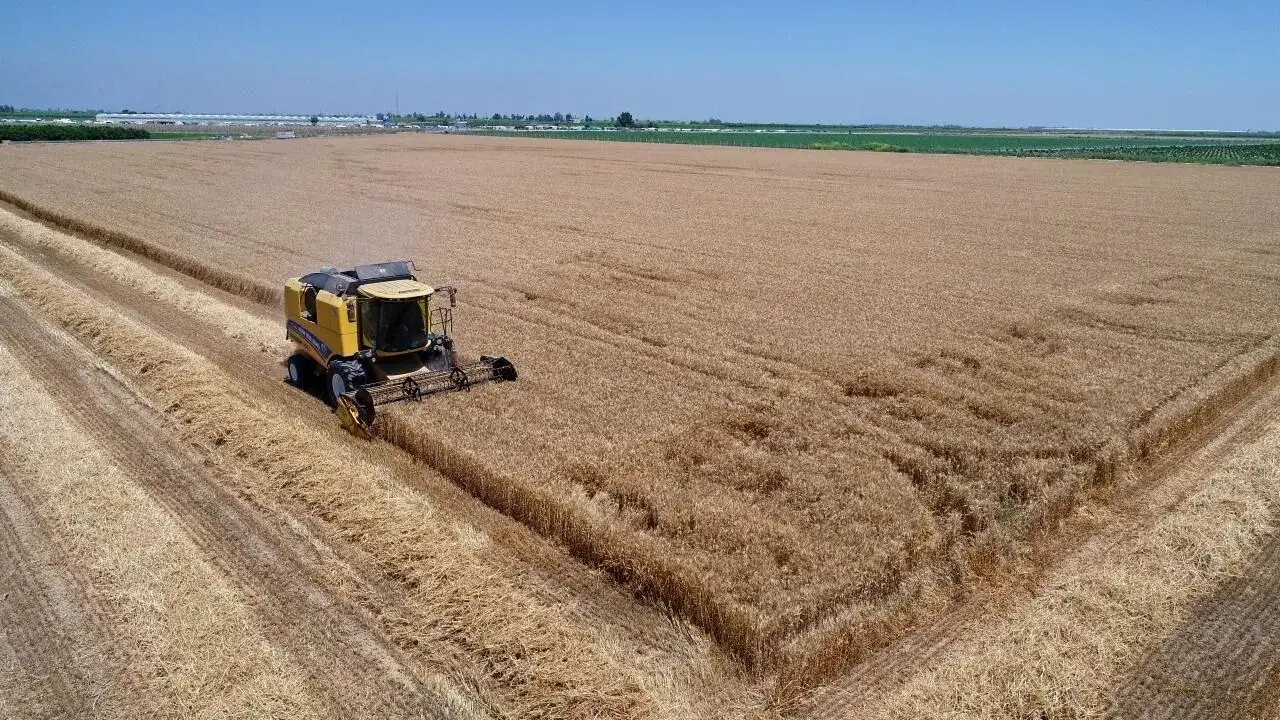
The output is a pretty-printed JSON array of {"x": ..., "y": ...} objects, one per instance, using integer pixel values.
[{"x": 719, "y": 121}]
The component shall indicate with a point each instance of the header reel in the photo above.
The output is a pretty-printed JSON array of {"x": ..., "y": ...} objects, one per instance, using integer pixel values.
[{"x": 357, "y": 410}]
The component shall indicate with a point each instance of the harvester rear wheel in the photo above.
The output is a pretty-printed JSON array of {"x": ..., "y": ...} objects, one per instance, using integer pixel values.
[{"x": 299, "y": 370}]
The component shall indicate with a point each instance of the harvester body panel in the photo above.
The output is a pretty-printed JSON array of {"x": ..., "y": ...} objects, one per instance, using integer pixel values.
[{"x": 319, "y": 322}]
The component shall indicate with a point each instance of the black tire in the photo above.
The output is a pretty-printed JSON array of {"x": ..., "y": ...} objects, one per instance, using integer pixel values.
[
  {"x": 505, "y": 369},
  {"x": 332, "y": 379},
  {"x": 299, "y": 370},
  {"x": 343, "y": 377}
]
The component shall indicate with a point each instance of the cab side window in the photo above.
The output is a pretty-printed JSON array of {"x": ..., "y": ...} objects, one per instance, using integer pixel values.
[
  {"x": 368, "y": 322},
  {"x": 309, "y": 304}
]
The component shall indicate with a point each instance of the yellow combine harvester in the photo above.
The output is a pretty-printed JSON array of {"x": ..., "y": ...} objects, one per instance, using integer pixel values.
[{"x": 375, "y": 336}]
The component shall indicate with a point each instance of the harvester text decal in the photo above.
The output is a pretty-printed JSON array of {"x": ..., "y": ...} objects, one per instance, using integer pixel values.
[{"x": 314, "y": 341}]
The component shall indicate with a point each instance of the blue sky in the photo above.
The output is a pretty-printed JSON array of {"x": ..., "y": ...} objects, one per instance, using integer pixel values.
[{"x": 1085, "y": 64}]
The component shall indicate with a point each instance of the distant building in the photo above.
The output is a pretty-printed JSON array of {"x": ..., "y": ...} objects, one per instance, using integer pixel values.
[{"x": 213, "y": 119}]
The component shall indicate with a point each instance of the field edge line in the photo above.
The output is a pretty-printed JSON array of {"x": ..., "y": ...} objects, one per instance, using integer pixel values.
[{"x": 211, "y": 275}]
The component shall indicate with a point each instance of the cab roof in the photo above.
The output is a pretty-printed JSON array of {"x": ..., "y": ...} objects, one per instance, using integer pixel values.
[
  {"x": 345, "y": 283},
  {"x": 396, "y": 289}
]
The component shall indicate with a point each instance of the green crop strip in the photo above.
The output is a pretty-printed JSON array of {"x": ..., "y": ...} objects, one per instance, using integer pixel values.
[{"x": 1214, "y": 150}]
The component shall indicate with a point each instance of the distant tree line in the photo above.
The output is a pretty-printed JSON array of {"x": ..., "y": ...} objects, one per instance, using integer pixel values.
[
  {"x": 46, "y": 133},
  {"x": 7, "y": 109},
  {"x": 541, "y": 118}
]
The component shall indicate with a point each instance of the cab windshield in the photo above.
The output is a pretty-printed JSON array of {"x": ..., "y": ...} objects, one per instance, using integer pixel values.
[{"x": 394, "y": 326}]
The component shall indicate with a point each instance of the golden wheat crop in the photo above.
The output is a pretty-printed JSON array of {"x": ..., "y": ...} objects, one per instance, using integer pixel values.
[{"x": 798, "y": 397}]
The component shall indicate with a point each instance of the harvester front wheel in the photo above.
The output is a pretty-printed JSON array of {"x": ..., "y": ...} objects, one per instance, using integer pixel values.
[
  {"x": 337, "y": 385},
  {"x": 343, "y": 378}
]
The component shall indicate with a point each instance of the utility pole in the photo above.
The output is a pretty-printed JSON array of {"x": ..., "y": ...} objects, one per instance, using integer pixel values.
[{"x": 397, "y": 103}]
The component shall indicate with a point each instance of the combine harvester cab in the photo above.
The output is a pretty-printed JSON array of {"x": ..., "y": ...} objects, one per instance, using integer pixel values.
[{"x": 374, "y": 335}]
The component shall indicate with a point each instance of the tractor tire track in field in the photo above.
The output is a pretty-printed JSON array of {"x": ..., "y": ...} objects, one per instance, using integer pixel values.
[
  {"x": 55, "y": 647},
  {"x": 351, "y": 665},
  {"x": 1160, "y": 487},
  {"x": 1216, "y": 664}
]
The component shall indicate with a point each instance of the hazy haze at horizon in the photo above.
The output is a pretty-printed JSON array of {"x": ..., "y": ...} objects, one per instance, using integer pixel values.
[{"x": 1092, "y": 64}]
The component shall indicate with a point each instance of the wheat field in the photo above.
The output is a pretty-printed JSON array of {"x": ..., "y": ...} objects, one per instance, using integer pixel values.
[{"x": 803, "y": 399}]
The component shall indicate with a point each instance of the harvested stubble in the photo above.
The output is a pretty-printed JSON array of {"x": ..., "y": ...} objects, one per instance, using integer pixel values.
[
  {"x": 1059, "y": 654},
  {"x": 790, "y": 394},
  {"x": 196, "y": 648}
]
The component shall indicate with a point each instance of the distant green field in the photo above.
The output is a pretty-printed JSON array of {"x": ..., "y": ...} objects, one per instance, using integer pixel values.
[
  {"x": 55, "y": 133},
  {"x": 1150, "y": 148}
]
